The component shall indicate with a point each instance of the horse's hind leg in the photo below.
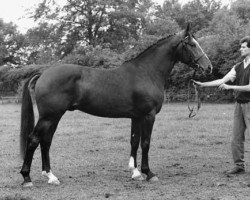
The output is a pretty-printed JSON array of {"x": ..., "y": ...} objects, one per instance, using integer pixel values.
[
  {"x": 45, "y": 143},
  {"x": 32, "y": 144},
  {"x": 135, "y": 141},
  {"x": 40, "y": 130}
]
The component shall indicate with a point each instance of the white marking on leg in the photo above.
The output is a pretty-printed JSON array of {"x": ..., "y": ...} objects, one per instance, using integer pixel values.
[
  {"x": 136, "y": 174},
  {"x": 52, "y": 178},
  {"x": 131, "y": 164},
  {"x": 27, "y": 185}
]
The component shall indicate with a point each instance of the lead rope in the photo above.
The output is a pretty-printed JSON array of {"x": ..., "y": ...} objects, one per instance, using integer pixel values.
[{"x": 193, "y": 111}]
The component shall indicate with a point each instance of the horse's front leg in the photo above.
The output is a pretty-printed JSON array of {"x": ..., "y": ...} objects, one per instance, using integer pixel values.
[
  {"x": 135, "y": 141},
  {"x": 146, "y": 131}
]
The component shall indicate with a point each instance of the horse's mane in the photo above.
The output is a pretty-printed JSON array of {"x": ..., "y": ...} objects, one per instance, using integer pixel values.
[{"x": 149, "y": 47}]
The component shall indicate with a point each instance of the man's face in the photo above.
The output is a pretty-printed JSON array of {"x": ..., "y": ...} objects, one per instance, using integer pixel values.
[{"x": 244, "y": 50}]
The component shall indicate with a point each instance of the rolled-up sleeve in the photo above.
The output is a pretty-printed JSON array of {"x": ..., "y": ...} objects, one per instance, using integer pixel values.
[{"x": 231, "y": 75}]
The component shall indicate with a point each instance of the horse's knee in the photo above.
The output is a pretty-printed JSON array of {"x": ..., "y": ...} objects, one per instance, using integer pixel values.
[
  {"x": 33, "y": 142},
  {"x": 135, "y": 140},
  {"x": 150, "y": 117}
]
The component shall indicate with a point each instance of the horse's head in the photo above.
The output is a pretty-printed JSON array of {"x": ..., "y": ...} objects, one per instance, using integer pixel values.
[{"x": 190, "y": 52}]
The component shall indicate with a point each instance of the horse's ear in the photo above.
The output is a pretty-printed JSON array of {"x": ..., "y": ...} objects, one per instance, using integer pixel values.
[{"x": 187, "y": 31}]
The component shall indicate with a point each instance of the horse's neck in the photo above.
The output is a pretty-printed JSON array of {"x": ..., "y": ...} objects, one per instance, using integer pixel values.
[{"x": 158, "y": 64}]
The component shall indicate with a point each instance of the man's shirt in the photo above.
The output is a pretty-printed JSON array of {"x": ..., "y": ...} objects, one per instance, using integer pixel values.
[{"x": 232, "y": 73}]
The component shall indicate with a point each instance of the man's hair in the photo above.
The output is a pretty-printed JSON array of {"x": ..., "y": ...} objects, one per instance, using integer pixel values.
[{"x": 247, "y": 40}]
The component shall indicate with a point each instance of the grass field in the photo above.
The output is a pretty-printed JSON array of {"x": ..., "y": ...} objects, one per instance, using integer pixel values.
[{"x": 90, "y": 157}]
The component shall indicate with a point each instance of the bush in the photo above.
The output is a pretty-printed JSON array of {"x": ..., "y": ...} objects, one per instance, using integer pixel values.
[
  {"x": 97, "y": 57},
  {"x": 11, "y": 78}
]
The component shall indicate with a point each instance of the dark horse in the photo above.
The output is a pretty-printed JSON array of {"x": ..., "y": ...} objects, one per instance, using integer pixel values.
[{"x": 134, "y": 90}]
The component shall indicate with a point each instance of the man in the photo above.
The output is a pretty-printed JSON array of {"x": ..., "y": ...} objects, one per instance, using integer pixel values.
[{"x": 240, "y": 74}]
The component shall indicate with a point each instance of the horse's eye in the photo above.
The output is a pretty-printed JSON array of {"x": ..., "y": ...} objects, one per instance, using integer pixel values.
[{"x": 192, "y": 44}]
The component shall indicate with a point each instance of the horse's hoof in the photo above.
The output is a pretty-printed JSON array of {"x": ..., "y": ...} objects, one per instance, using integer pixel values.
[
  {"x": 153, "y": 179},
  {"x": 27, "y": 184},
  {"x": 54, "y": 182},
  {"x": 138, "y": 178}
]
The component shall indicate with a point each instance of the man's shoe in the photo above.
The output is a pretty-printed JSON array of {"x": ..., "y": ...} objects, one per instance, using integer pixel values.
[{"x": 236, "y": 170}]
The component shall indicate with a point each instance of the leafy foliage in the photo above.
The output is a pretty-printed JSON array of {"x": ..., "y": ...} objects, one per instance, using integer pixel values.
[
  {"x": 11, "y": 78},
  {"x": 11, "y": 44},
  {"x": 104, "y": 34},
  {"x": 242, "y": 9},
  {"x": 94, "y": 57}
]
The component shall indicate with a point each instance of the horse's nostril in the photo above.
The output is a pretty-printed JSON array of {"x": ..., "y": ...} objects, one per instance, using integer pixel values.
[{"x": 211, "y": 68}]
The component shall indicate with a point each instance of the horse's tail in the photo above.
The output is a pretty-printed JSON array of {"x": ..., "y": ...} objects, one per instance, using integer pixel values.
[{"x": 27, "y": 114}]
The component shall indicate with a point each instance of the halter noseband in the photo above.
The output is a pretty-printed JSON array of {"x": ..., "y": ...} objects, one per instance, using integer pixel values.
[{"x": 194, "y": 61}]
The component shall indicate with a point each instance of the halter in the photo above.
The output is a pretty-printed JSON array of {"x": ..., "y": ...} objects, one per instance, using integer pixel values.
[
  {"x": 192, "y": 110},
  {"x": 194, "y": 61},
  {"x": 194, "y": 64}
]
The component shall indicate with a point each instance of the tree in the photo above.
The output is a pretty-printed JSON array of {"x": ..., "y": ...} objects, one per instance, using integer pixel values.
[
  {"x": 199, "y": 13},
  {"x": 127, "y": 23},
  {"x": 242, "y": 9},
  {"x": 77, "y": 22},
  {"x": 94, "y": 22},
  {"x": 45, "y": 43},
  {"x": 171, "y": 9},
  {"x": 11, "y": 44},
  {"x": 227, "y": 27},
  {"x": 161, "y": 27}
]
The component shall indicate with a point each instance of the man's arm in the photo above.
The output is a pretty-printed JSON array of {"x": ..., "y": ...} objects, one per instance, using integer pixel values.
[
  {"x": 214, "y": 83},
  {"x": 241, "y": 88},
  {"x": 230, "y": 76}
]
